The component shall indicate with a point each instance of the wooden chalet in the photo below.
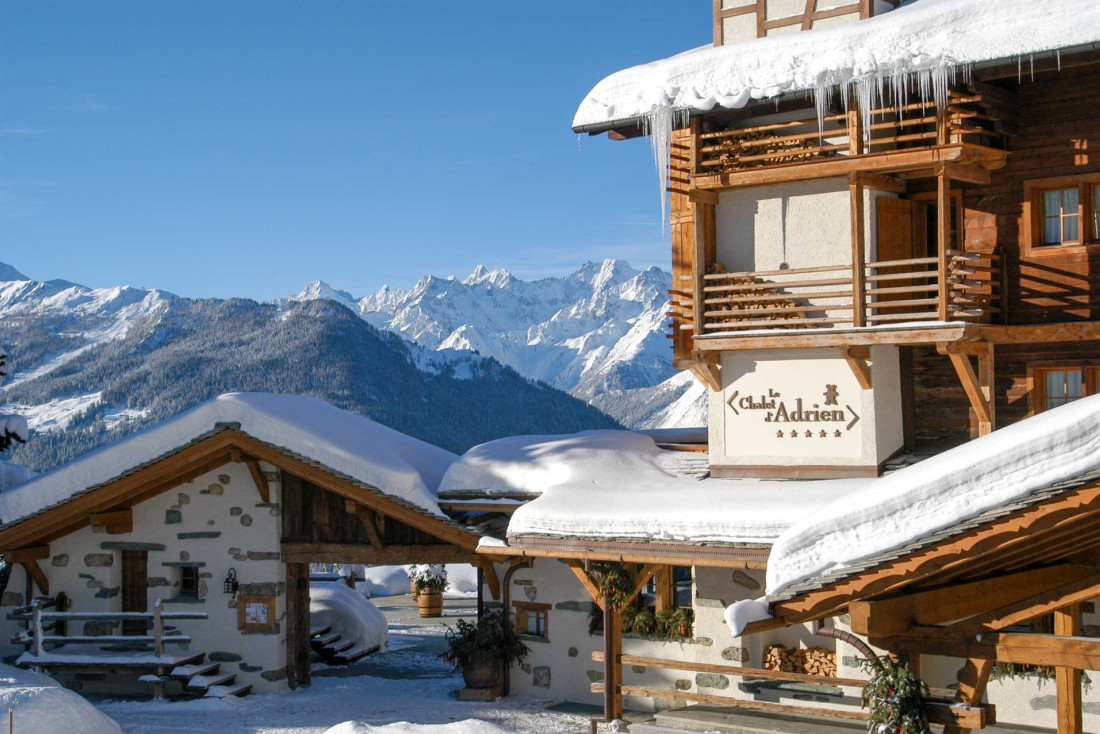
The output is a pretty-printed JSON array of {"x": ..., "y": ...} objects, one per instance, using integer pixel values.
[
  {"x": 199, "y": 533},
  {"x": 860, "y": 283}
]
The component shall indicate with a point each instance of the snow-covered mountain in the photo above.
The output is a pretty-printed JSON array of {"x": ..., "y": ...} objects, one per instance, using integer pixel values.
[
  {"x": 87, "y": 365},
  {"x": 597, "y": 333}
]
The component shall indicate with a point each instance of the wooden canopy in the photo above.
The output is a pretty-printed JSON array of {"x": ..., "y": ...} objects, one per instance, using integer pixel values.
[{"x": 966, "y": 591}]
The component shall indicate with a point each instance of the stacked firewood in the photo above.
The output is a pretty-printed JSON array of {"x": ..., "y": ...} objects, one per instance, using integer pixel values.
[
  {"x": 765, "y": 289},
  {"x": 815, "y": 661},
  {"x": 819, "y": 661},
  {"x": 765, "y": 148}
]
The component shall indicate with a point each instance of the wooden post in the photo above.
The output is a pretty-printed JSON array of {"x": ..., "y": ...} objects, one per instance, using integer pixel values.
[
  {"x": 665, "y": 591},
  {"x": 972, "y": 682},
  {"x": 855, "y": 190},
  {"x": 158, "y": 628},
  {"x": 612, "y": 665},
  {"x": 943, "y": 237},
  {"x": 1067, "y": 623},
  {"x": 36, "y": 628},
  {"x": 987, "y": 380}
]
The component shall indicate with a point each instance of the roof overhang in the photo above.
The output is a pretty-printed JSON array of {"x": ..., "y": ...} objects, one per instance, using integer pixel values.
[{"x": 743, "y": 556}]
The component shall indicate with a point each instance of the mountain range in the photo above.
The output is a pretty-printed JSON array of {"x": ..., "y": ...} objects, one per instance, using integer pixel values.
[{"x": 454, "y": 362}]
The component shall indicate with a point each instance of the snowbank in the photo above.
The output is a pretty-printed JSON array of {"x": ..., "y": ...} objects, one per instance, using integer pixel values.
[
  {"x": 900, "y": 508},
  {"x": 13, "y": 474},
  {"x": 348, "y": 613},
  {"x": 41, "y": 705},
  {"x": 469, "y": 726},
  {"x": 462, "y": 578},
  {"x": 384, "y": 581},
  {"x": 618, "y": 484},
  {"x": 929, "y": 37},
  {"x": 398, "y": 465}
]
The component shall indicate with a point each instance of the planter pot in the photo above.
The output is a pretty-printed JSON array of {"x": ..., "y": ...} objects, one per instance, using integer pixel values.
[
  {"x": 481, "y": 672},
  {"x": 412, "y": 588},
  {"x": 430, "y": 603}
]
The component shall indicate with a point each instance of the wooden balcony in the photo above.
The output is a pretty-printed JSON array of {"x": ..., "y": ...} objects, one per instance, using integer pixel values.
[
  {"x": 971, "y": 129},
  {"x": 964, "y": 287}
]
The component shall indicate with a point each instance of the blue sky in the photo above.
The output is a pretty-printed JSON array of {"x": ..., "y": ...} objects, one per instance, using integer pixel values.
[{"x": 242, "y": 148}]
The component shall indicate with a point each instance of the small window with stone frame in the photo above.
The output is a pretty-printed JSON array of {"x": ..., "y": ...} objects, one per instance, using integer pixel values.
[{"x": 189, "y": 582}]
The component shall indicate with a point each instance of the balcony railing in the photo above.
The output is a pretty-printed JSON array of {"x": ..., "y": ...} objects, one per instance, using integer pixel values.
[
  {"x": 724, "y": 148},
  {"x": 965, "y": 287}
]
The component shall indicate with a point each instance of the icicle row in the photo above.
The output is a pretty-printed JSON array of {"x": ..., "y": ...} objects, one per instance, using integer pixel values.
[{"x": 658, "y": 124}]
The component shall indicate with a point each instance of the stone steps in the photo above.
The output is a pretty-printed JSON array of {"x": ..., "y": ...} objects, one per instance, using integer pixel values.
[{"x": 730, "y": 721}]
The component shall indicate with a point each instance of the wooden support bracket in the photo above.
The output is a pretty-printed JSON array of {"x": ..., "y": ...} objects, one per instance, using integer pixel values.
[
  {"x": 707, "y": 372},
  {"x": 589, "y": 585},
  {"x": 116, "y": 522},
  {"x": 371, "y": 523},
  {"x": 35, "y": 572},
  {"x": 489, "y": 570},
  {"x": 857, "y": 357},
  {"x": 972, "y": 681},
  {"x": 978, "y": 386},
  {"x": 32, "y": 553},
  {"x": 260, "y": 480}
]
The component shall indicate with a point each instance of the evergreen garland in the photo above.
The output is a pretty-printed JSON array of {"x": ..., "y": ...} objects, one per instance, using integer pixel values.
[
  {"x": 897, "y": 698},
  {"x": 614, "y": 582}
]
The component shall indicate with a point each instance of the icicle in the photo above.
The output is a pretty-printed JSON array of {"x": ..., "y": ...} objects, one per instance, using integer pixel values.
[
  {"x": 1058, "y": 57},
  {"x": 1019, "y": 69},
  {"x": 658, "y": 124},
  {"x": 1031, "y": 58},
  {"x": 578, "y": 142}
]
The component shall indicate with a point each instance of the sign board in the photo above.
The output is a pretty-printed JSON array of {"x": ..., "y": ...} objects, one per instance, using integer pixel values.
[{"x": 804, "y": 407}]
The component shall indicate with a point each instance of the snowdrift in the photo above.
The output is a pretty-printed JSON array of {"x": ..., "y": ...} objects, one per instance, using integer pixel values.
[
  {"x": 349, "y": 613},
  {"x": 469, "y": 726},
  {"x": 41, "y": 705}
]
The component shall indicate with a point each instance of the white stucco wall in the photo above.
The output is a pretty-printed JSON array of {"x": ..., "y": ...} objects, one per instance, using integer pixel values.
[
  {"x": 564, "y": 669},
  {"x": 743, "y": 435},
  {"x": 218, "y": 520}
]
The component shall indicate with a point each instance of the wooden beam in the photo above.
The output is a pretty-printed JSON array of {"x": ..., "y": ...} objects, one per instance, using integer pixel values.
[
  {"x": 857, "y": 357},
  {"x": 897, "y": 615},
  {"x": 369, "y": 519},
  {"x": 1067, "y": 623},
  {"x": 702, "y": 196},
  {"x": 612, "y": 667},
  {"x": 116, "y": 522},
  {"x": 673, "y": 555},
  {"x": 34, "y": 571},
  {"x": 645, "y": 573},
  {"x": 22, "y": 555},
  {"x": 883, "y": 182},
  {"x": 1036, "y": 605},
  {"x": 259, "y": 479},
  {"x": 666, "y": 595},
  {"x": 855, "y": 194},
  {"x": 978, "y": 388},
  {"x": 586, "y": 581},
  {"x": 489, "y": 570},
  {"x": 797, "y": 339},
  {"x": 391, "y": 555},
  {"x": 707, "y": 372},
  {"x": 1081, "y": 653},
  {"x": 972, "y": 682},
  {"x": 969, "y": 173},
  {"x": 943, "y": 235}
]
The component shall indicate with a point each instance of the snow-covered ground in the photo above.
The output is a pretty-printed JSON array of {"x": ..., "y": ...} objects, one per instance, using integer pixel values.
[{"x": 39, "y": 704}]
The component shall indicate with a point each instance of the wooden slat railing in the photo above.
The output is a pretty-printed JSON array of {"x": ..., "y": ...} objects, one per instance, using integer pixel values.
[
  {"x": 43, "y": 622},
  {"x": 896, "y": 291},
  {"x": 968, "y": 118}
]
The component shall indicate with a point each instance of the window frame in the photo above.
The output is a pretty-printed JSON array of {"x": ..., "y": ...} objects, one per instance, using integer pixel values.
[
  {"x": 1034, "y": 215},
  {"x": 525, "y": 609},
  {"x": 1036, "y": 380},
  {"x": 184, "y": 592}
]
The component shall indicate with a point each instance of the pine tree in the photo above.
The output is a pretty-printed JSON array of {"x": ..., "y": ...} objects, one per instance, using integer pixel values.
[{"x": 13, "y": 428}]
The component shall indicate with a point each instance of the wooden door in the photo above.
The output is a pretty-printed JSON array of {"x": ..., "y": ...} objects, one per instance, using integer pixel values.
[
  {"x": 135, "y": 589},
  {"x": 894, "y": 241}
]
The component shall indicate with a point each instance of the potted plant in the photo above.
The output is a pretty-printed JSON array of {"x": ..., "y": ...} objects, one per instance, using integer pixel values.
[
  {"x": 481, "y": 649},
  {"x": 429, "y": 581}
]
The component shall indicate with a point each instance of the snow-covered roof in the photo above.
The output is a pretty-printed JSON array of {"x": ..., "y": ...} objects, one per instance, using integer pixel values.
[
  {"x": 1012, "y": 464},
  {"x": 399, "y": 466},
  {"x": 929, "y": 38},
  {"x": 618, "y": 485}
]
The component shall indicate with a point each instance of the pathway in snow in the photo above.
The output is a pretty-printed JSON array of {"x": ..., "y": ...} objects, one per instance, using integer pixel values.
[{"x": 408, "y": 682}]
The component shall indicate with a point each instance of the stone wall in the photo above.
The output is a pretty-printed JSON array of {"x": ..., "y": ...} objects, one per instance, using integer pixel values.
[{"x": 214, "y": 523}]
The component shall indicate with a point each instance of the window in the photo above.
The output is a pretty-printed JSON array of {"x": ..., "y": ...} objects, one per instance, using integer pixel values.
[
  {"x": 189, "y": 582},
  {"x": 533, "y": 620},
  {"x": 1061, "y": 212},
  {"x": 1061, "y": 217},
  {"x": 1060, "y": 384}
]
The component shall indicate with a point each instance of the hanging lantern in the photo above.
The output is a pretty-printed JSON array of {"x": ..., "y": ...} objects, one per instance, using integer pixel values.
[{"x": 231, "y": 584}]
